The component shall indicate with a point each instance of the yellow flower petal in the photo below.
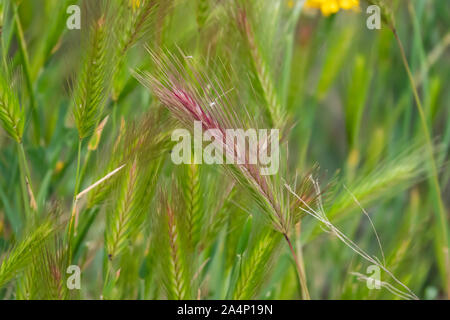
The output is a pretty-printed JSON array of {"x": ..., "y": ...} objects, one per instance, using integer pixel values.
[
  {"x": 332, "y": 6},
  {"x": 329, "y": 7},
  {"x": 348, "y": 4}
]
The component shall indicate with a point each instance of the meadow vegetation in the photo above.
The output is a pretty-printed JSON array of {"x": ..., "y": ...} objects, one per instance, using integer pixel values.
[{"x": 87, "y": 178}]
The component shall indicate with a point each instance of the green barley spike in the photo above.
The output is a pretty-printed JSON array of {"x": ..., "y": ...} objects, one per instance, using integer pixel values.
[
  {"x": 172, "y": 256},
  {"x": 275, "y": 110},
  {"x": 254, "y": 265},
  {"x": 193, "y": 208},
  {"x": 92, "y": 87},
  {"x": 176, "y": 266},
  {"x": 12, "y": 115},
  {"x": 22, "y": 254},
  {"x": 120, "y": 222}
]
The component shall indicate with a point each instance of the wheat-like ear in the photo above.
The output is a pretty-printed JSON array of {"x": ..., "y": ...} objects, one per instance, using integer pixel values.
[
  {"x": 193, "y": 197},
  {"x": 133, "y": 22},
  {"x": 192, "y": 96},
  {"x": 171, "y": 249},
  {"x": 22, "y": 254},
  {"x": 274, "y": 110},
  {"x": 255, "y": 265},
  {"x": 205, "y": 194},
  {"x": 147, "y": 139},
  {"x": 12, "y": 115},
  {"x": 125, "y": 219},
  {"x": 48, "y": 273},
  {"x": 132, "y": 200},
  {"x": 141, "y": 154},
  {"x": 93, "y": 84}
]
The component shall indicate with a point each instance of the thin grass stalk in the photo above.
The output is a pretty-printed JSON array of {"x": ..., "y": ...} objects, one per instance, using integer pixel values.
[
  {"x": 76, "y": 189},
  {"x": 12, "y": 119},
  {"x": 73, "y": 210},
  {"x": 388, "y": 18},
  {"x": 433, "y": 167},
  {"x": 320, "y": 216},
  {"x": 302, "y": 272},
  {"x": 26, "y": 173},
  {"x": 23, "y": 184},
  {"x": 299, "y": 269},
  {"x": 92, "y": 146},
  {"x": 71, "y": 230},
  {"x": 77, "y": 176},
  {"x": 26, "y": 65},
  {"x": 84, "y": 167}
]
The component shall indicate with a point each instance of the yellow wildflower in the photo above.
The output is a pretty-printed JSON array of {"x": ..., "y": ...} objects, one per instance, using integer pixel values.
[
  {"x": 135, "y": 4},
  {"x": 332, "y": 6}
]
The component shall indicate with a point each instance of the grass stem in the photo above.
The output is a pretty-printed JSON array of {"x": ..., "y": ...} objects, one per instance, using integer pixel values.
[
  {"x": 73, "y": 218},
  {"x": 434, "y": 173},
  {"x": 26, "y": 174},
  {"x": 77, "y": 177},
  {"x": 23, "y": 178},
  {"x": 300, "y": 270},
  {"x": 26, "y": 68}
]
